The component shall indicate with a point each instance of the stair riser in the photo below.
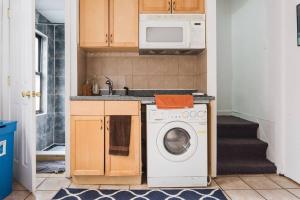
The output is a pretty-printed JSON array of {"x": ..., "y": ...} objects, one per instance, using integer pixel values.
[
  {"x": 245, "y": 170},
  {"x": 237, "y": 132},
  {"x": 227, "y": 152},
  {"x": 236, "y": 156}
]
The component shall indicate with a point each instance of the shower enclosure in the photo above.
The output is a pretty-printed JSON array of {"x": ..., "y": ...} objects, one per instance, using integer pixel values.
[{"x": 50, "y": 81}]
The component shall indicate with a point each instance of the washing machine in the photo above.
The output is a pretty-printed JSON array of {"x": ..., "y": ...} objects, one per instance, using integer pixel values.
[{"x": 177, "y": 147}]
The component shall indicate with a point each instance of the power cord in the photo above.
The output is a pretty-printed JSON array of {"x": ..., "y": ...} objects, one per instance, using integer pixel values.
[{"x": 209, "y": 180}]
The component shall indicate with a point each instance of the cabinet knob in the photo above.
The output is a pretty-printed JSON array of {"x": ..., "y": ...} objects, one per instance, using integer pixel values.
[
  {"x": 101, "y": 124},
  {"x": 107, "y": 125}
]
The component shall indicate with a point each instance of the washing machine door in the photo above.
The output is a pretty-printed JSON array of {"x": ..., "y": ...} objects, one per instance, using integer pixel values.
[{"x": 177, "y": 141}]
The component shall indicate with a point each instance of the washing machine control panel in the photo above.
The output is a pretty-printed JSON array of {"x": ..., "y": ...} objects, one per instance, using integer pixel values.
[{"x": 197, "y": 114}]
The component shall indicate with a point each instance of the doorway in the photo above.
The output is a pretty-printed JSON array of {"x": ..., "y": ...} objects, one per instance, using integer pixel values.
[{"x": 50, "y": 86}]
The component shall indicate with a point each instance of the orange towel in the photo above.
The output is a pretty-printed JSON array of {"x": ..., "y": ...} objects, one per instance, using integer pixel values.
[{"x": 174, "y": 101}]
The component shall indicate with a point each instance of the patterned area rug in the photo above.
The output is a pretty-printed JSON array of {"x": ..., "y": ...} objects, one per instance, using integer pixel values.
[{"x": 170, "y": 194}]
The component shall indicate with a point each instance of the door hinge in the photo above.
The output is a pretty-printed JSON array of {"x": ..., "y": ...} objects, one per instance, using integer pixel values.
[
  {"x": 8, "y": 81},
  {"x": 8, "y": 13}
]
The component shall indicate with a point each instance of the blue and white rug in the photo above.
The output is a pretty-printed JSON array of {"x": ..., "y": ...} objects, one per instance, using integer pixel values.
[{"x": 170, "y": 194}]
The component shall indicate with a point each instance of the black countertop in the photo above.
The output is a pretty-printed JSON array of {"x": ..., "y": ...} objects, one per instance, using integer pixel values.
[{"x": 145, "y": 96}]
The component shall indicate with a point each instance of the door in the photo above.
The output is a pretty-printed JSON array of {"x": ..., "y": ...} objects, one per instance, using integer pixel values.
[
  {"x": 87, "y": 145},
  {"x": 125, "y": 165},
  {"x": 22, "y": 109},
  {"x": 93, "y": 23},
  {"x": 155, "y": 6},
  {"x": 188, "y": 6},
  {"x": 124, "y": 18}
]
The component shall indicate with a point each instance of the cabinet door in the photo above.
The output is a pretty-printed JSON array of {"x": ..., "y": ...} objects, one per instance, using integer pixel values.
[
  {"x": 125, "y": 165},
  {"x": 87, "y": 145},
  {"x": 124, "y": 19},
  {"x": 188, "y": 6},
  {"x": 93, "y": 23},
  {"x": 155, "y": 6}
]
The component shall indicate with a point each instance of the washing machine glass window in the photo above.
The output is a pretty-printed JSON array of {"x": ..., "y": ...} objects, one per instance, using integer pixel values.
[
  {"x": 177, "y": 144},
  {"x": 177, "y": 141}
]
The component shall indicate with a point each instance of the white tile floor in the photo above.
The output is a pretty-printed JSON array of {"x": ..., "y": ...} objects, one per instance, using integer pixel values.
[{"x": 243, "y": 187}]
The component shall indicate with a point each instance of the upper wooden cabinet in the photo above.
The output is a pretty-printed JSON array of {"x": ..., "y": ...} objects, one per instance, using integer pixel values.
[
  {"x": 124, "y": 19},
  {"x": 155, "y": 6},
  {"x": 188, "y": 6},
  {"x": 109, "y": 23},
  {"x": 172, "y": 6},
  {"x": 93, "y": 23}
]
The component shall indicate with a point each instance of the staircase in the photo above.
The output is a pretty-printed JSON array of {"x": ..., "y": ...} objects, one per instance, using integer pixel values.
[{"x": 239, "y": 150}]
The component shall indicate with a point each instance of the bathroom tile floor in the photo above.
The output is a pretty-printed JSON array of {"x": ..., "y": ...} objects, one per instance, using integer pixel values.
[{"x": 235, "y": 187}]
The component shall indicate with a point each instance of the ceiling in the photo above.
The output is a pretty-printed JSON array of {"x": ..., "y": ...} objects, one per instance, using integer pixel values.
[{"x": 53, "y": 10}]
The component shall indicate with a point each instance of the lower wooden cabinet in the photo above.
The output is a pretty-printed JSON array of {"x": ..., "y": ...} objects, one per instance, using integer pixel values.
[
  {"x": 87, "y": 145},
  {"x": 91, "y": 162},
  {"x": 125, "y": 165}
]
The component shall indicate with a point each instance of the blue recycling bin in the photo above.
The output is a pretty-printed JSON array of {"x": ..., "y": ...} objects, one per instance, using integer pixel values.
[{"x": 7, "y": 130}]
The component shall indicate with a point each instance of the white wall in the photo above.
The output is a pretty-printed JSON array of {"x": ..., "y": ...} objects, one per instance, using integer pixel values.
[
  {"x": 265, "y": 64},
  {"x": 224, "y": 72},
  {"x": 211, "y": 38},
  {"x": 291, "y": 94},
  {"x": 256, "y": 77}
]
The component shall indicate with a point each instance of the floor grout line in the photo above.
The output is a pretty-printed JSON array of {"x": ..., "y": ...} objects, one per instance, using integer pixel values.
[
  {"x": 28, "y": 195},
  {"x": 40, "y": 183},
  {"x": 227, "y": 195},
  {"x": 252, "y": 188},
  {"x": 292, "y": 194}
]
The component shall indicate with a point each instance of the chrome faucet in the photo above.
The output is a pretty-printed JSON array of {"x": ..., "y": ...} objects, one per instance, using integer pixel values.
[{"x": 110, "y": 84}]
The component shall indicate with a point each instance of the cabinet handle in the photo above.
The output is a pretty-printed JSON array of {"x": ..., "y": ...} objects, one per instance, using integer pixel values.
[
  {"x": 174, "y": 5},
  {"x": 106, "y": 38},
  {"x": 111, "y": 38},
  {"x": 169, "y": 9},
  {"x": 107, "y": 125},
  {"x": 101, "y": 125}
]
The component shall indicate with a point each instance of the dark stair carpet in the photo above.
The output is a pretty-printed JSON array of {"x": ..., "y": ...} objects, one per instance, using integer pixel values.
[
  {"x": 239, "y": 150},
  {"x": 233, "y": 127}
]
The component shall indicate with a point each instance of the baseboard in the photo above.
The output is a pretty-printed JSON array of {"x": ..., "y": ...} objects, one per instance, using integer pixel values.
[
  {"x": 245, "y": 116},
  {"x": 107, "y": 180},
  {"x": 224, "y": 112}
]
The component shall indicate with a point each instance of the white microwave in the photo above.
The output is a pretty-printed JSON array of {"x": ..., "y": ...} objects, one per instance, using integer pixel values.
[{"x": 171, "y": 33}]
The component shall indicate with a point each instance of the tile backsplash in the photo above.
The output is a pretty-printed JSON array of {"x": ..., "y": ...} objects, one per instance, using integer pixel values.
[{"x": 148, "y": 72}]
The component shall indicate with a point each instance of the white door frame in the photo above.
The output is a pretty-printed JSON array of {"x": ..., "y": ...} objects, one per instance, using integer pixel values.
[
  {"x": 4, "y": 59},
  {"x": 68, "y": 60}
]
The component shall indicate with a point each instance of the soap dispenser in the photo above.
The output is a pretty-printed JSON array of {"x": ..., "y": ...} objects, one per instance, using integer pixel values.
[{"x": 95, "y": 86}]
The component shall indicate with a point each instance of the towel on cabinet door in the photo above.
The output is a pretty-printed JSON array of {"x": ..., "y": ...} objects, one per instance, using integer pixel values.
[
  {"x": 119, "y": 135},
  {"x": 174, "y": 101}
]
